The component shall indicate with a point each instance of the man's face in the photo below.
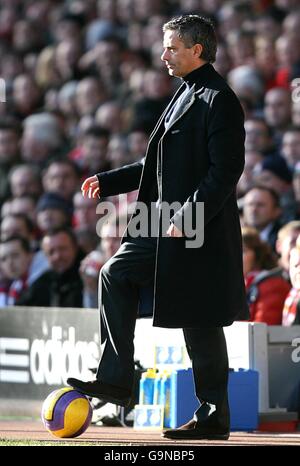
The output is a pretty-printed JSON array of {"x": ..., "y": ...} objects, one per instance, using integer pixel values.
[
  {"x": 14, "y": 260},
  {"x": 291, "y": 146},
  {"x": 284, "y": 247},
  {"x": 257, "y": 137},
  {"x": 94, "y": 152},
  {"x": 179, "y": 60},
  {"x": 23, "y": 182},
  {"x": 85, "y": 211},
  {"x": 51, "y": 218},
  {"x": 60, "y": 179},
  {"x": 9, "y": 145},
  {"x": 259, "y": 209},
  {"x": 295, "y": 267},
  {"x": 60, "y": 251},
  {"x": 277, "y": 108},
  {"x": 11, "y": 226}
]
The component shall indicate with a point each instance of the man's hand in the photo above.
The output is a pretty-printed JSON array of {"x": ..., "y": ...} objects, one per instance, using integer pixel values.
[
  {"x": 90, "y": 187},
  {"x": 174, "y": 231}
]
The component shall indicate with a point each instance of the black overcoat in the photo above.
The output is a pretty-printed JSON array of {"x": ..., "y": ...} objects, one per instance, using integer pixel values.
[{"x": 199, "y": 158}]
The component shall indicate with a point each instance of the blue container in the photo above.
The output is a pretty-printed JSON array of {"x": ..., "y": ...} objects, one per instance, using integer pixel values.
[
  {"x": 243, "y": 399},
  {"x": 165, "y": 397},
  {"x": 183, "y": 399},
  {"x": 156, "y": 390},
  {"x": 242, "y": 394},
  {"x": 147, "y": 387}
]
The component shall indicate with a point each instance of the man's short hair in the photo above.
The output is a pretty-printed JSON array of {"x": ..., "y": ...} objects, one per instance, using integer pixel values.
[
  {"x": 273, "y": 194},
  {"x": 25, "y": 245},
  {"x": 62, "y": 161},
  {"x": 96, "y": 132},
  {"x": 67, "y": 231},
  {"x": 24, "y": 218},
  {"x": 194, "y": 29}
]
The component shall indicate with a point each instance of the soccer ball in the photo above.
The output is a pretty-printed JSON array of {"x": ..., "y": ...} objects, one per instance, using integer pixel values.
[{"x": 66, "y": 413}]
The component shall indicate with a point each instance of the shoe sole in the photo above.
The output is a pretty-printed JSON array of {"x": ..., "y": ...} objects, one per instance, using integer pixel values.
[{"x": 125, "y": 403}]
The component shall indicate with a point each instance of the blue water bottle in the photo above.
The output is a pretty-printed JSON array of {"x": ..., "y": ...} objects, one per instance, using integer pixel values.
[{"x": 147, "y": 387}]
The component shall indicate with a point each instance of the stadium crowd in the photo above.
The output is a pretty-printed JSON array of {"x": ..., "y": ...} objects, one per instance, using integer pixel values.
[{"x": 82, "y": 87}]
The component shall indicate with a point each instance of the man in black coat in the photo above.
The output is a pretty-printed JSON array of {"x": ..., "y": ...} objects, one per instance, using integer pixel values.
[{"x": 194, "y": 158}]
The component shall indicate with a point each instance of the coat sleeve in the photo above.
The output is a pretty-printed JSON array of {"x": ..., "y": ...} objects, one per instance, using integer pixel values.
[
  {"x": 120, "y": 180},
  {"x": 226, "y": 153}
]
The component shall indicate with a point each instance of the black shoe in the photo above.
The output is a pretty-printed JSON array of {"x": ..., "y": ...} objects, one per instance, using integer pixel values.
[
  {"x": 194, "y": 430},
  {"x": 106, "y": 392}
]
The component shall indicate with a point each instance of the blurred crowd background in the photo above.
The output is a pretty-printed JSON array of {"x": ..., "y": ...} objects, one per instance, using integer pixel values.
[{"x": 84, "y": 87}]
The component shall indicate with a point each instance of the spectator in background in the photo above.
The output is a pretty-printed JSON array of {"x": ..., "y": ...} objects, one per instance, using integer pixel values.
[
  {"x": 286, "y": 241},
  {"x": 109, "y": 116},
  {"x": 290, "y": 148},
  {"x": 262, "y": 211},
  {"x": 296, "y": 183},
  {"x": 291, "y": 23},
  {"x": 61, "y": 176},
  {"x": 67, "y": 26},
  {"x": 246, "y": 181},
  {"x": 111, "y": 233},
  {"x": 15, "y": 260},
  {"x": 90, "y": 94},
  {"x": 137, "y": 140},
  {"x": 21, "y": 225},
  {"x": 61, "y": 286},
  {"x": 296, "y": 113},
  {"x": 274, "y": 173},
  {"x": 66, "y": 57},
  {"x": 16, "y": 225},
  {"x": 46, "y": 75},
  {"x": 26, "y": 96},
  {"x": 85, "y": 214},
  {"x": 87, "y": 239},
  {"x": 223, "y": 63},
  {"x": 291, "y": 308},
  {"x": 25, "y": 205},
  {"x": 53, "y": 211},
  {"x": 266, "y": 60},
  {"x": 11, "y": 65},
  {"x": 117, "y": 153},
  {"x": 288, "y": 56},
  {"x": 42, "y": 138},
  {"x": 241, "y": 47},
  {"x": 28, "y": 37},
  {"x": 104, "y": 60},
  {"x": 157, "y": 90},
  {"x": 25, "y": 179},
  {"x": 10, "y": 134},
  {"x": 266, "y": 288},
  {"x": 66, "y": 105},
  {"x": 277, "y": 112},
  {"x": 258, "y": 136},
  {"x": 93, "y": 154}
]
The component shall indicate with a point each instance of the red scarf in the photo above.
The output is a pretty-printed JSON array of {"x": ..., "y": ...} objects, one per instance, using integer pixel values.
[{"x": 290, "y": 307}]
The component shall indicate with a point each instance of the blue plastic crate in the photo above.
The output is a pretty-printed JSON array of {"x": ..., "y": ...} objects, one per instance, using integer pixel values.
[
  {"x": 243, "y": 399},
  {"x": 183, "y": 400},
  {"x": 242, "y": 392}
]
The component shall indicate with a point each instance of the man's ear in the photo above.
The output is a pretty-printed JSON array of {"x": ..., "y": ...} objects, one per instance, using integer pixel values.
[{"x": 198, "y": 48}]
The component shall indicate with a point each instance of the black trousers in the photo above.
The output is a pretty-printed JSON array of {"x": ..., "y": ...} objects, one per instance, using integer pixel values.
[{"x": 131, "y": 267}]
